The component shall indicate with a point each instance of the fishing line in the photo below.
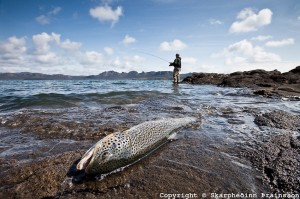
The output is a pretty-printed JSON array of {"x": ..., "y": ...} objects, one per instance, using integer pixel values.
[{"x": 153, "y": 56}]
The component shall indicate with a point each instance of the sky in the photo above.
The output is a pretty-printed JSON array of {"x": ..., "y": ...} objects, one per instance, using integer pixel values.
[{"x": 87, "y": 37}]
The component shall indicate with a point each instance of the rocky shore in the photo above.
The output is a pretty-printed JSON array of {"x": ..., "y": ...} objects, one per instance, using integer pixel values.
[
  {"x": 277, "y": 157},
  {"x": 266, "y": 83},
  {"x": 237, "y": 146}
]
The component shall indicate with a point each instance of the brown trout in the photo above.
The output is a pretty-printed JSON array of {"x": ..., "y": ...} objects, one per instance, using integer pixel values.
[{"x": 124, "y": 148}]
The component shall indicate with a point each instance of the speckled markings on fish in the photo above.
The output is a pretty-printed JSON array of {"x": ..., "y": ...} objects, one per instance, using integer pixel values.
[{"x": 123, "y": 148}]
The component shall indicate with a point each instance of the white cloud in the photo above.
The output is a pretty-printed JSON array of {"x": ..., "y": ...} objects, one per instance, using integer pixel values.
[
  {"x": 135, "y": 58},
  {"x": 244, "y": 52},
  {"x": 261, "y": 38},
  {"x": 42, "y": 51},
  {"x": 189, "y": 60},
  {"x": 117, "y": 62},
  {"x": 215, "y": 22},
  {"x": 70, "y": 45},
  {"x": 51, "y": 55},
  {"x": 128, "y": 40},
  {"x": 106, "y": 13},
  {"x": 244, "y": 56},
  {"x": 48, "y": 57},
  {"x": 284, "y": 42},
  {"x": 41, "y": 42},
  {"x": 91, "y": 58},
  {"x": 42, "y": 19},
  {"x": 55, "y": 11},
  {"x": 12, "y": 51},
  {"x": 109, "y": 51},
  {"x": 132, "y": 62},
  {"x": 248, "y": 20},
  {"x": 175, "y": 45},
  {"x": 298, "y": 18},
  {"x": 46, "y": 19},
  {"x": 13, "y": 48}
]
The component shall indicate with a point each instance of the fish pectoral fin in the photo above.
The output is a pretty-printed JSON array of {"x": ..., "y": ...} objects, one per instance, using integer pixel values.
[
  {"x": 173, "y": 136},
  {"x": 85, "y": 160}
]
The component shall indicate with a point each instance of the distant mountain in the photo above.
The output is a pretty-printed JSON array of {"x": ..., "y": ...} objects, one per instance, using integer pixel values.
[
  {"x": 159, "y": 75},
  {"x": 34, "y": 76}
]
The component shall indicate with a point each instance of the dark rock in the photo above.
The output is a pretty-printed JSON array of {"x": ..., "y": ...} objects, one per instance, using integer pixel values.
[
  {"x": 254, "y": 79},
  {"x": 279, "y": 119},
  {"x": 264, "y": 85},
  {"x": 205, "y": 78},
  {"x": 37, "y": 180},
  {"x": 296, "y": 70},
  {"x": 288, "y": 89},
  {"x": 235, "y": 121},
  {"x": 236, "y": 73},
  {"x": 266, "y": 92},
  {"x": 257, "y": 71},
  {"x": 278, "y": 160}
]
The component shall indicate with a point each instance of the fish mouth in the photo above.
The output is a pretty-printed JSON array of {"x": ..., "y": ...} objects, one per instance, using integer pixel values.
[{"x": 85, "y": 160}]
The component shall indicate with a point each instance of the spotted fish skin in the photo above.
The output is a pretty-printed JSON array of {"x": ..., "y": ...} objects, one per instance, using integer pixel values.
[{"x": 123, "y": 148}]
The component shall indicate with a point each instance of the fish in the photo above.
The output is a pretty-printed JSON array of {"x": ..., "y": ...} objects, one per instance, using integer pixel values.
[{"x": 121, "y": 149}]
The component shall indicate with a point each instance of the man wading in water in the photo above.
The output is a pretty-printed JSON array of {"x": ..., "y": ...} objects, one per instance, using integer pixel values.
[{"x": 177, "y": 67}]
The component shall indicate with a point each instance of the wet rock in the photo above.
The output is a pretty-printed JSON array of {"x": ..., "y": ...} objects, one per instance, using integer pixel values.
[
  {"x": 264, "y": 92},
  {"x": 36, "y": 180},
  {"x": 278, "y": 160},
  {"x": 235, "y": 121},
  {"x": 252, "y": 79},
  {"x": 175, "y": 167},
  {"x": 266, "y": 83},
  {"x": 69, "y": 124},
  {"x": 205, "y": 78},
  {"x": 279, "y": 119},
  {"x": 288, "y": 89}
]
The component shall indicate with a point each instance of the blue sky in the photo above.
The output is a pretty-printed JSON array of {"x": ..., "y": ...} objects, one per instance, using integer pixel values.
[{"x": 87, "y": 37}]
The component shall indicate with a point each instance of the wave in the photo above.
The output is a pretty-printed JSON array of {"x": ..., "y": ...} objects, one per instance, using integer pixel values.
[
  {"x": 39, "y": 100},
  {"x": 56, "y": 100},
  {"x": 119, "y": 83}
]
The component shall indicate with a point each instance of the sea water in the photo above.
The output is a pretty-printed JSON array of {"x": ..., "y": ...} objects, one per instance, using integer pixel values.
[{"x": 45, "y": 94}]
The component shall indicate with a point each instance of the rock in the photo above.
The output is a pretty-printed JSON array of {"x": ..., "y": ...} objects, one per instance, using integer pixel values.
[
  {"x": 251, "y": 79},
  {"x": 265, "y": 85},
  {"x": 296, "y": 70},
  {"x": 254, "y": 79},
  {"x": 205, "y": 78},
  {"x": 279, "y": 119},
  {"x": 288, "y": 89},
  {"x": 278, "y": 160},
  {"x": 263, "y": 92},
  {"x": 39, "y": 179}
]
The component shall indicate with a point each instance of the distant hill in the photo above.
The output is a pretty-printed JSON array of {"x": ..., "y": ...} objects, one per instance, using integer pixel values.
[{"x": 159, "y": 75}]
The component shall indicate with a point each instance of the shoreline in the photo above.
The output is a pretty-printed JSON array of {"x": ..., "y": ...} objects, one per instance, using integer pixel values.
[{"x": 265, "y": 83}]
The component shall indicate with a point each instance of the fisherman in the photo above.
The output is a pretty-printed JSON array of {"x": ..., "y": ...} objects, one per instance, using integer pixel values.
[{"x": 177, "y": 67}]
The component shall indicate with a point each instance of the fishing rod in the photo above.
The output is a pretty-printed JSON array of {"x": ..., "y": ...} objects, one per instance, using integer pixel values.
[{"x": 154, "y": 56}]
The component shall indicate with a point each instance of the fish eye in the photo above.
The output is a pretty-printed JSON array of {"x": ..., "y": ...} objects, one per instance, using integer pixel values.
[{"x": 105, "y": 155}]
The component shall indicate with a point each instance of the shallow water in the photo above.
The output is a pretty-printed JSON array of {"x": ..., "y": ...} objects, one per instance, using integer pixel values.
[{"x": 42, "y": 119}]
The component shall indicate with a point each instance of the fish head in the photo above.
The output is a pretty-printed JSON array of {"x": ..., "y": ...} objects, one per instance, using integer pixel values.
[{"x": 107, "y": 155}]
